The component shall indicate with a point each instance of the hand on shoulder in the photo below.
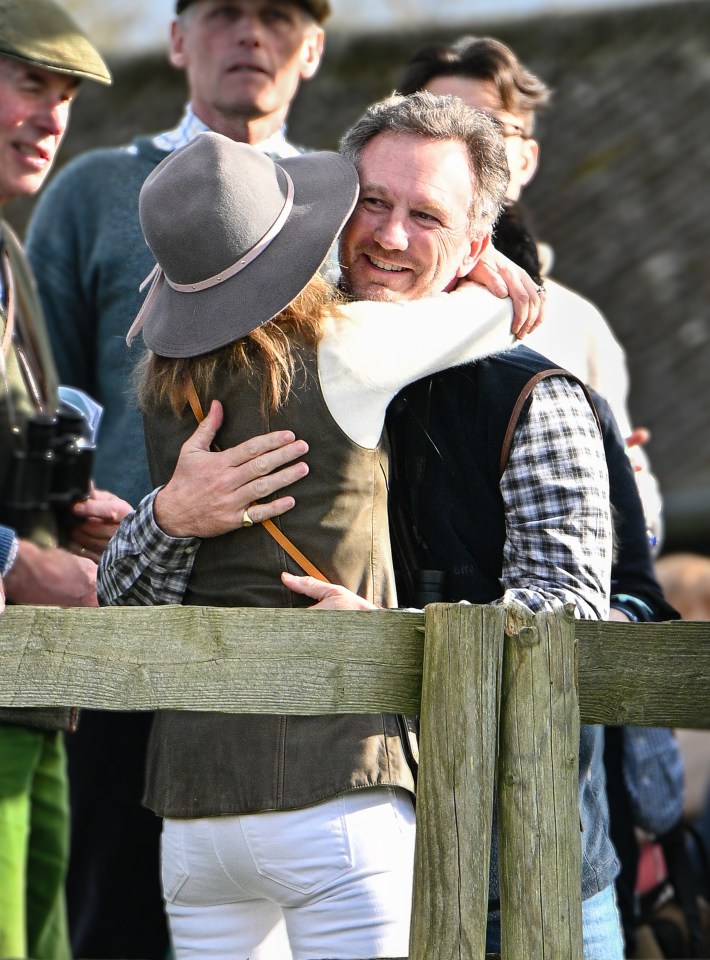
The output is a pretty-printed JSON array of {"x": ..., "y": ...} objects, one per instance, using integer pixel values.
[{"x": 503, "y": 278}]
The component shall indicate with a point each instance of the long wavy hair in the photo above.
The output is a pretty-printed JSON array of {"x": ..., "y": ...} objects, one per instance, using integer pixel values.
[{"x": 266, "y": 353}]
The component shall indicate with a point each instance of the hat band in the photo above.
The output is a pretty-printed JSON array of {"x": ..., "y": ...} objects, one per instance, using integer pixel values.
[
  {"x": 248, "y": 257},
  {"x": 157, "y": 273}
]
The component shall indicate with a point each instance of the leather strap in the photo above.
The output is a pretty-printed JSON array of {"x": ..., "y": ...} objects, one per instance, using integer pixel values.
[
  {"x": 292, "y": 550},
  {"x": 10, "y": 314},
  {"x": 522, "y": 398},
  {"x": 283, "y": 541}
]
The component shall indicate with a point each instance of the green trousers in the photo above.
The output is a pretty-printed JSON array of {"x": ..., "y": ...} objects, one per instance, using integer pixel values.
[{"x": 34, "y": 844}]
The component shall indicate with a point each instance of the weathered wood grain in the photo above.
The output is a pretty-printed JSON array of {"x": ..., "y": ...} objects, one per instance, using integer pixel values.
[
  {"x": 455, "y": 789},
  {"x": 539, "y": 839},
  {"x": 307, "y": 662},
  {"x": 140, "y": 658},
  {"x": 645, "y": 674},
  {"x": 196, "y": 658}
]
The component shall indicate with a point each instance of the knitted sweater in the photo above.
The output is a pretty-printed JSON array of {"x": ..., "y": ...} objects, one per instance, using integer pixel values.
[{"x": 89, "y": 274}]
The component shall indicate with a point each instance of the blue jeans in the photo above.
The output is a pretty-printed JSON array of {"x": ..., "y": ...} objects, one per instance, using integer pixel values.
[{"x": 601, "y": 928}]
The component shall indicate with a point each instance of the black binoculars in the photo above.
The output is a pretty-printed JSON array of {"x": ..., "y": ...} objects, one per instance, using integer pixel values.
[
  {"x": 51, "y": 473},
  {"x": 429, "y": 587}
]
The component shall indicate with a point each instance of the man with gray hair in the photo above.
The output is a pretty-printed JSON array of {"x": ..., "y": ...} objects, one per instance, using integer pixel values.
[
  {"x": 437, "y": 131},
  {"x": 480, "y": 494},
  {"x": 487, "y": 75},
  {"x": 423, "y": 216},
  {"x": 244, "y": 61}
]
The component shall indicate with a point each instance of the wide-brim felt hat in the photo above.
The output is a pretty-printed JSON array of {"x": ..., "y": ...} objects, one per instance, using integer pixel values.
[
  {"x": 318, "y": 9},
  {"x": 42, "y": 33},
  {"x": 237, "y": 236}
]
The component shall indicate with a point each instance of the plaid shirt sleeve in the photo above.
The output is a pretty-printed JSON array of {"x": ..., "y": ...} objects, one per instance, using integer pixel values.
[
  {"x": 558, "y": 518},
  {"x": 142, "y": 566}
]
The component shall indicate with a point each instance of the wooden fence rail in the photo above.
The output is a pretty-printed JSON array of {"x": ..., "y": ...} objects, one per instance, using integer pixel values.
[{"x": 496, "y": 689}]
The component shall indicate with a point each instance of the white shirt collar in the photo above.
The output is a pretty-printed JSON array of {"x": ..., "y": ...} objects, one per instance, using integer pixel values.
[{"x": 190, "y": 125}]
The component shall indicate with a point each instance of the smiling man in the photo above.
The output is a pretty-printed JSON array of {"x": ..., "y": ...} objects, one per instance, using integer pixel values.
[
  {"x": 545, "y": 530},
  {"x": 499, "y": 483},
  {"x": 243, "y": 61},
  {"x": 390, "y": 251},
  {"x": 487, "y": 75},
  {"x": 34, "y": 110}
]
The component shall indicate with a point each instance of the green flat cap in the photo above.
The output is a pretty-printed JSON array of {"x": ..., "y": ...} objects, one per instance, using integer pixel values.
[
  {"x": 318, "y": 9},
  {"x": 43, "y": 33}
]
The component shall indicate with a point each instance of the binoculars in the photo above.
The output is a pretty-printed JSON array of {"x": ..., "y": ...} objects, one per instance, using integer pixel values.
[
  {"x": 51, "y": 473},
  {"x": 429, "y": 587}
]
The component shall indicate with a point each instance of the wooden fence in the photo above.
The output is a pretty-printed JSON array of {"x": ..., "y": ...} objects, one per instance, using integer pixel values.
[{"x": 500, "y": 693}]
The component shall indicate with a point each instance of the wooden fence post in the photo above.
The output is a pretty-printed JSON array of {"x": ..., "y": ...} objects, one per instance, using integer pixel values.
[
  {"x": 300, "y": 663},
  {"x": 459, "y": 719},
  {"x": 540, "y": 844}
]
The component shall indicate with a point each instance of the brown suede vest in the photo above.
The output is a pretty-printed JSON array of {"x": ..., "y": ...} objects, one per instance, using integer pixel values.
[{"x": 207, "y": 764}]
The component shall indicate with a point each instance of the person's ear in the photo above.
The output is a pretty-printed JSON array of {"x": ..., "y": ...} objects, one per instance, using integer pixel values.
[
  {"x": 176, "y": 53},
  {"x": 312, "y": 52},
  {"x": 473, "y": 255},
  {"x": 529, "y": 158}
]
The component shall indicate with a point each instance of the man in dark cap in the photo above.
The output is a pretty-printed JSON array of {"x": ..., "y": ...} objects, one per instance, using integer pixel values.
[
  {"x": 44, "y": 57},
  {"x": 244, "y": 61}
]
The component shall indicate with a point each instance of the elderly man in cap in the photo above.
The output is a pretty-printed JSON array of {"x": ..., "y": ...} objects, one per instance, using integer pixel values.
[
  {"x": 43, "y": 59},
  {"x": 244, "y": 61}
]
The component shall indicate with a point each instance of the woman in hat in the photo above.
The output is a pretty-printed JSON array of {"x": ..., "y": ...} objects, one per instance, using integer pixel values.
[{"x": 304, "y": 818}]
